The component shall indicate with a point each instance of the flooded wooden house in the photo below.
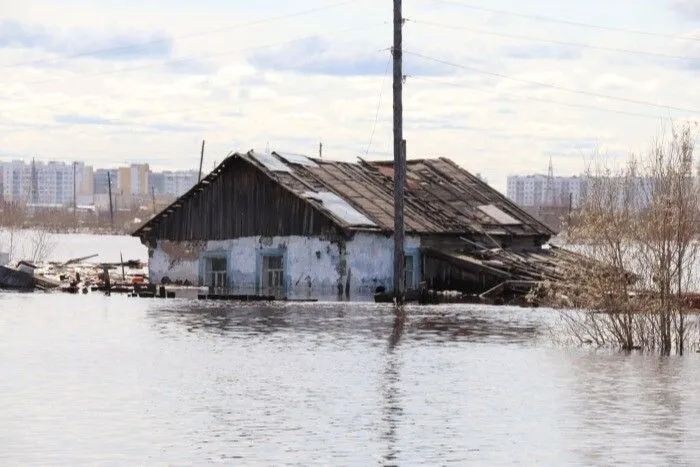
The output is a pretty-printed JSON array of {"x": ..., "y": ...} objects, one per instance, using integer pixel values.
[{"x": 287, "y": 225}]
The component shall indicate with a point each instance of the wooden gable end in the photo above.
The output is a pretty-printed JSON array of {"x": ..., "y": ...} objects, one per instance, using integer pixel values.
[{"x": 242, "y": 202}]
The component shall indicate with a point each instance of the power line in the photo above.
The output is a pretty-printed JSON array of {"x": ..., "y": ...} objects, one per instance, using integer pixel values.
[
  {"x": 379, "y": 107},
  {"x": 111, "y": 72},
  {"x": 552, "y": 41},
  {"x": 184, "y": 36},
  {"x": 565, "y": 22},
  {"x": 539, "y": 99},
  {"x": 199, "y": 57},
  {"x": 552, "y": 86},
  {"x": 227, "y": 105}
]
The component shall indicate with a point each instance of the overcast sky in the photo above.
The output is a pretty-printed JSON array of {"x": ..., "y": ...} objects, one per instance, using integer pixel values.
[{"x": 500, "y": 86}]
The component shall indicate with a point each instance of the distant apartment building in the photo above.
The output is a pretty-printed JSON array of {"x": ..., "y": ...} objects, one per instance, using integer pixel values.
[
  {"x": 156, "y": 182},
  {"x": 65, "y": 183},
  {"x": 15, "y": 180},
  {"x": 542, "y": 190},
  {"x": 102, "y": 178},
  {"x": 172, "y": 184},
  {"x": 177, "y": 184},
  {"x": 47, "y": 183},
  {"x": 133, "y": 180}
]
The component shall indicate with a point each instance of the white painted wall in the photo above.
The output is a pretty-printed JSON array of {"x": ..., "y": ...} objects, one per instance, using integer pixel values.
[{"x": 314, "y": 266}]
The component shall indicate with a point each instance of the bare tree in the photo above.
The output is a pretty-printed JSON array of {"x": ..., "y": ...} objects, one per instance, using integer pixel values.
[
  {"x": 41, "y": 244},
  {"x": 640, "y": 227},
  {"x": 12, "y": 220}
]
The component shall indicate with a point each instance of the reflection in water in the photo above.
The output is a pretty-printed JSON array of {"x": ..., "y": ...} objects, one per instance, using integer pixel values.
[
  {"x": 392, "y": 409},
  {"x": 90, "y": 380},
  {"x": 636, "y": 397},
  {"x": 343, "y": 320},
  {"x": 261, "y": 318}
]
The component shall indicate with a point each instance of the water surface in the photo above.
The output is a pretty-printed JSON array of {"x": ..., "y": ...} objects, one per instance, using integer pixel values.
[
  {"x": 120, "y": 381},
  {"x": 60, "y": 247}
]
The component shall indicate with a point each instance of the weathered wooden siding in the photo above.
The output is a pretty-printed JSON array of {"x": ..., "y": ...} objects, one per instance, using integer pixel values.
[{"x": 243, "y": 203}]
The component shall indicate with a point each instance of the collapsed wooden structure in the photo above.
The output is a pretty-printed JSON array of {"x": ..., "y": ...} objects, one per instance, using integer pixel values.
[{"x": 465, "y": 235}]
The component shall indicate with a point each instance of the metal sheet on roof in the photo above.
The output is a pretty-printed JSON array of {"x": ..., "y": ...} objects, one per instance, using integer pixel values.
[
  {"x": 298, "y": 159},
  {"x": 499, "y": 216},
  {"x": 340, "y": 208},
  {"x": 270, "y": 162}
]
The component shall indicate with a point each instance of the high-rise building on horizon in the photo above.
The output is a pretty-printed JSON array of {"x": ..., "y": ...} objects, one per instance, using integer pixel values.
[
  {"x": 546, "y": 190},
  {"x": 178, "y": 183},
  {"x": 65, "y": 183},
  {"x": 46, "y": 183},
  {"x": 156, "y": 183},
  {"x": 133, "y": 180},
  {"x": 101, "y": 181}
]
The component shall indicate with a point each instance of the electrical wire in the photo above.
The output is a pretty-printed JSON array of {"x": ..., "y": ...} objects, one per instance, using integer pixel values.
[
  {"x": 564, "y": 22},
  {"x": 200, "y": 57},
  {"x": 538, "y": 99},
  {"x": 230, "y": 52},
  {"x": 552, "y": 41},
  {"x": 379, "y": 106},
  {"x": 227, "y": 105},
  {"x": 184, "y": 36},
  {"x": 552, "y": 86}
]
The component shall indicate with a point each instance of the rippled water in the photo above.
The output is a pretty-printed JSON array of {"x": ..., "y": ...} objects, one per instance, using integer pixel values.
[{"x": 113, "y": 380}]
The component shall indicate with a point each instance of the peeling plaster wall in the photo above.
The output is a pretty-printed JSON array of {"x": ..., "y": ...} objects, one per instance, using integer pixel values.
[
  {"x": 371, "y": 261},
  {"x": 314, "y": 267},
  {"x": 161, "y": 264}
]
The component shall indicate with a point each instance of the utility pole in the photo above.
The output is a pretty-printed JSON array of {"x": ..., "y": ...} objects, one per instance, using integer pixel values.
[
  {"x": 399, "y": 156},
  {"x": 153, "y": 199},
  {"x": 201, "y": 161},
  {"x": 320, "y": 150},
  {"x": 111, "y": 208},
  {"x": 75, "y": 196},
  {"x": 34, "y": 199},
  {"x": 571, "y": 202}
]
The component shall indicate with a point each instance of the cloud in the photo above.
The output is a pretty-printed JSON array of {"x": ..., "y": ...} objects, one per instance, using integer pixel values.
[
  {"x": 73, "y": 119},
  {"x": 320, "y": 57},
  {"x": 690, "y": 9},
  {"x": 541, "y": 52},
  {"x": 122, "y": 125},
  {"x": 572, "y": 147},
  {"x": 176, "y": 128},
  {"x": 102, "y": 45},
  {"x": 615, "y": 82},
  {"x": 316, "y": 56},
  {"x": 192, "y": 66}
]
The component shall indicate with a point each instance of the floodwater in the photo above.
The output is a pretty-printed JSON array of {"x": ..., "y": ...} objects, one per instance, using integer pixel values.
[
  {"x": 23, "y": 244},
  {"x": 123, "y": 381}
]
